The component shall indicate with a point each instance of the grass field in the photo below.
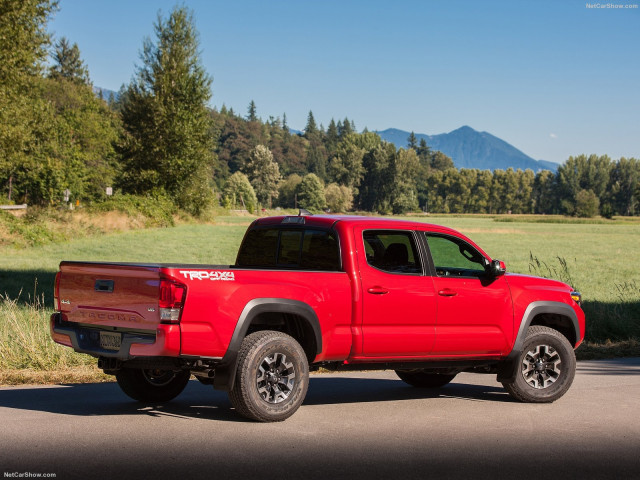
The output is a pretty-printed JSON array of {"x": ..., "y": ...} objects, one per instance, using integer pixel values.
[{"x": 602, "y": 261}]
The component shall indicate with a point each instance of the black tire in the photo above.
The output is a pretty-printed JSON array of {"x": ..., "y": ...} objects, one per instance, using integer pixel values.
[
  {"x": 546, "y": 367},
  {"x": 272, "y": 377},
  {"x": 152, "y": 385},
  {"x": 421, "y": 379}
]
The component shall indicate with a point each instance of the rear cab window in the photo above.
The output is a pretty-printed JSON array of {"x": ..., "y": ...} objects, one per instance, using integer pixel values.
[
  {"x": 290, "y": 248},
  {"x": 392, "y": 251}
]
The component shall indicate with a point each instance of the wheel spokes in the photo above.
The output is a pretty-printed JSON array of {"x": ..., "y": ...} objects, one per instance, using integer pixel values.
[
  {"x": 275, "y": 378},
  {"x": 540, "y": 366}
]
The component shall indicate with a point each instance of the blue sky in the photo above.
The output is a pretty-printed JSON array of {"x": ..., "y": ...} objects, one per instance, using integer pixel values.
[{"x": 553, "y": 78}]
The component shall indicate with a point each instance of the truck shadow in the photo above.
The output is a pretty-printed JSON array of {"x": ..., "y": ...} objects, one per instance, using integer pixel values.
[
  {"x": 328, "y": 390},
  {"x": 203, "y": 402}
]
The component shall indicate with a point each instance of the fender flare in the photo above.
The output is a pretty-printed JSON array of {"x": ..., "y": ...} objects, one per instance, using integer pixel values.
[
  {"x": 225, "y": 372},
  {"x": 509, "y": 367}
]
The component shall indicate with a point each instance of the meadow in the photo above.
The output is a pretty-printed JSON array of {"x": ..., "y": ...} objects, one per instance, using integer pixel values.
[{"x": 599, "y": 258}]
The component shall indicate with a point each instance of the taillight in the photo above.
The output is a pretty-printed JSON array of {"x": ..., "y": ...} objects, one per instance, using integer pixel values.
[
  {"x": 56, "y": 293},
  {"x": 171, "y": 300}
]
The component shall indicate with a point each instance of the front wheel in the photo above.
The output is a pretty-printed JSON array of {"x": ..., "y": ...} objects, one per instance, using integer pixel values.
[
  {"x": 546, "y": 369},
  {"x": 272, "y": 377},
  {"x": 152, "y": 385},
  {"x": 421, "y": 379}
]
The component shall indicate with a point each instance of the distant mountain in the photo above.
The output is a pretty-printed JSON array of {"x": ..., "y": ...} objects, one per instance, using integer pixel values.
[
  {"x": 106, "y": 93},
  {"x": 469, "y": 148}
]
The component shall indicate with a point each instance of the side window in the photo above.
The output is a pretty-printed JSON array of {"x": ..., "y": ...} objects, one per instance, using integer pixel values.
[
  {"x": 293, "y": 248},
  {"x": 392, "y": 251},
  {"x": 258, "y": 248},
  {"x": 453, "y": 257},
  {"x": 319, "y": 251}
]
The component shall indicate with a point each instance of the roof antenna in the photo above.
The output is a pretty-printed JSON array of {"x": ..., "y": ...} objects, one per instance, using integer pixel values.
[{"x": 304, "y": 213}]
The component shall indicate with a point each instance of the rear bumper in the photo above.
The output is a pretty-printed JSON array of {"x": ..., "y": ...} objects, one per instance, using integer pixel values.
[{"x": 164, "y": 342}]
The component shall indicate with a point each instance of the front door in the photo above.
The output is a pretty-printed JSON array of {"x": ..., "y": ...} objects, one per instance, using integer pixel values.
[{"x": 475, "y": 314}]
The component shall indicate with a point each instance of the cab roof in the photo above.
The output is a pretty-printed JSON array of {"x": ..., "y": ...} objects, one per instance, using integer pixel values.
[{"x": 328, "y": 221}]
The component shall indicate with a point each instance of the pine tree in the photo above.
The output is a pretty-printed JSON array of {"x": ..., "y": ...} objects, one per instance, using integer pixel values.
[
  {"x": 423, "y": 151},
  {"x": 332, "y": 137},
  {"x": 251, "y": 112},
  {"x": 311, "y": 130},
  {"x": 168, "y": 147},
  {"x": 346, "y": 128},
  {"x": 413, "y": 141},
  {"x": 68, "y": 64}
]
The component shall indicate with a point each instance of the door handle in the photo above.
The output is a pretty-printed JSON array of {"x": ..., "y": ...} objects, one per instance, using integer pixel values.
[
  {"x": 378, "y": 290},
  {"x": 447, "y": 292}
]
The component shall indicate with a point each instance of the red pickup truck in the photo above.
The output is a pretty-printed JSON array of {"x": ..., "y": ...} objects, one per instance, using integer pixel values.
[{"x": 336, "y": 292}]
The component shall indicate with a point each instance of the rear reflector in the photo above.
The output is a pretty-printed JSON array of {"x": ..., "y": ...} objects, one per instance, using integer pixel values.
[
  {"x": 56, "y": 293},
  {"x": 171, "y": 300}
]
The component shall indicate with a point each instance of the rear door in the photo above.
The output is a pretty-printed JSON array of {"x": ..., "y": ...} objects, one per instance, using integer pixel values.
[{"x": 399, "y": 303}]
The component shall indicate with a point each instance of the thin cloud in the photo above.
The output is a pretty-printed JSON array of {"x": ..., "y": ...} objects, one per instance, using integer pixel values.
[{"x": 553, "y": 135}]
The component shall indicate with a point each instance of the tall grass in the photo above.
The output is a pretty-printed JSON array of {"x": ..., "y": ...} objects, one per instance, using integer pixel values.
[
  {"x": 559, "y": 271},
  {"x": 25, "y": 342},
  {"x": 615, "y": 320}
]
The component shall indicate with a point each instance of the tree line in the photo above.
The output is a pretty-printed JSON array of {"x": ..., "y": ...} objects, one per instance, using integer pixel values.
[{"x": 160, "y": 139}]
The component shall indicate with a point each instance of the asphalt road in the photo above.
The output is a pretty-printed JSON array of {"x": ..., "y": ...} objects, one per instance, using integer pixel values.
[{"x": 356, "y": 425}]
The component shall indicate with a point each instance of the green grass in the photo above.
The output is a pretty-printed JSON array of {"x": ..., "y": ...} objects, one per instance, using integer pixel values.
[{"x": 602, "y": 260}]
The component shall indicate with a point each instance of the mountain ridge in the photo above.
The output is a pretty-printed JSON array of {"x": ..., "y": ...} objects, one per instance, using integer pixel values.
[{"x": 469, "y": 148}]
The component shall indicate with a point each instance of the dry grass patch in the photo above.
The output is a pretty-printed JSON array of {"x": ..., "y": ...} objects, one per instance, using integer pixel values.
[
  {"x": 609, "y": 349},
  {"x": 113, "y": 221},
  {"x": 81, "y": 374}
]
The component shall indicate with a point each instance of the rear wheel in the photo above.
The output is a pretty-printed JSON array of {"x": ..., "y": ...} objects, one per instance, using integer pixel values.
[
  {"x": 152, "y": 385},
  {"x": 546, "y": 369},
  {"x": 272, "y": 377},
  {"x": 421, "y": 379}
]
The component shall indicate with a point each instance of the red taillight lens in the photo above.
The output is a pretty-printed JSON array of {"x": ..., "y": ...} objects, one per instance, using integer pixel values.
[
  {"x": 56, "y": 292},
  {"x": 171, "y": 300}
]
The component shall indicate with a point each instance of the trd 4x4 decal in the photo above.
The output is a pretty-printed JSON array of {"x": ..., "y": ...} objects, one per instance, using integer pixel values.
[{"x": 212, "y": 275}]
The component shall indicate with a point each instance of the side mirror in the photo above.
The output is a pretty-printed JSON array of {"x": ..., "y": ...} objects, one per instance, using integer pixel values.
[{"x": 497, "y": 268}]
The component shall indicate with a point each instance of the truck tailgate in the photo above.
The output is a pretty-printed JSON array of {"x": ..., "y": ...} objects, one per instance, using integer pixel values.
[{"x": 110, "y": 295}]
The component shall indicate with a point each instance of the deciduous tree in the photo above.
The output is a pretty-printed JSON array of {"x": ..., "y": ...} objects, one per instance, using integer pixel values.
[
  {"x": 311, "y": 193},
  {"x": 238, "y": 193},
  {"x": 339, "y": 198},
  {"x": 263, "y": 174}
]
